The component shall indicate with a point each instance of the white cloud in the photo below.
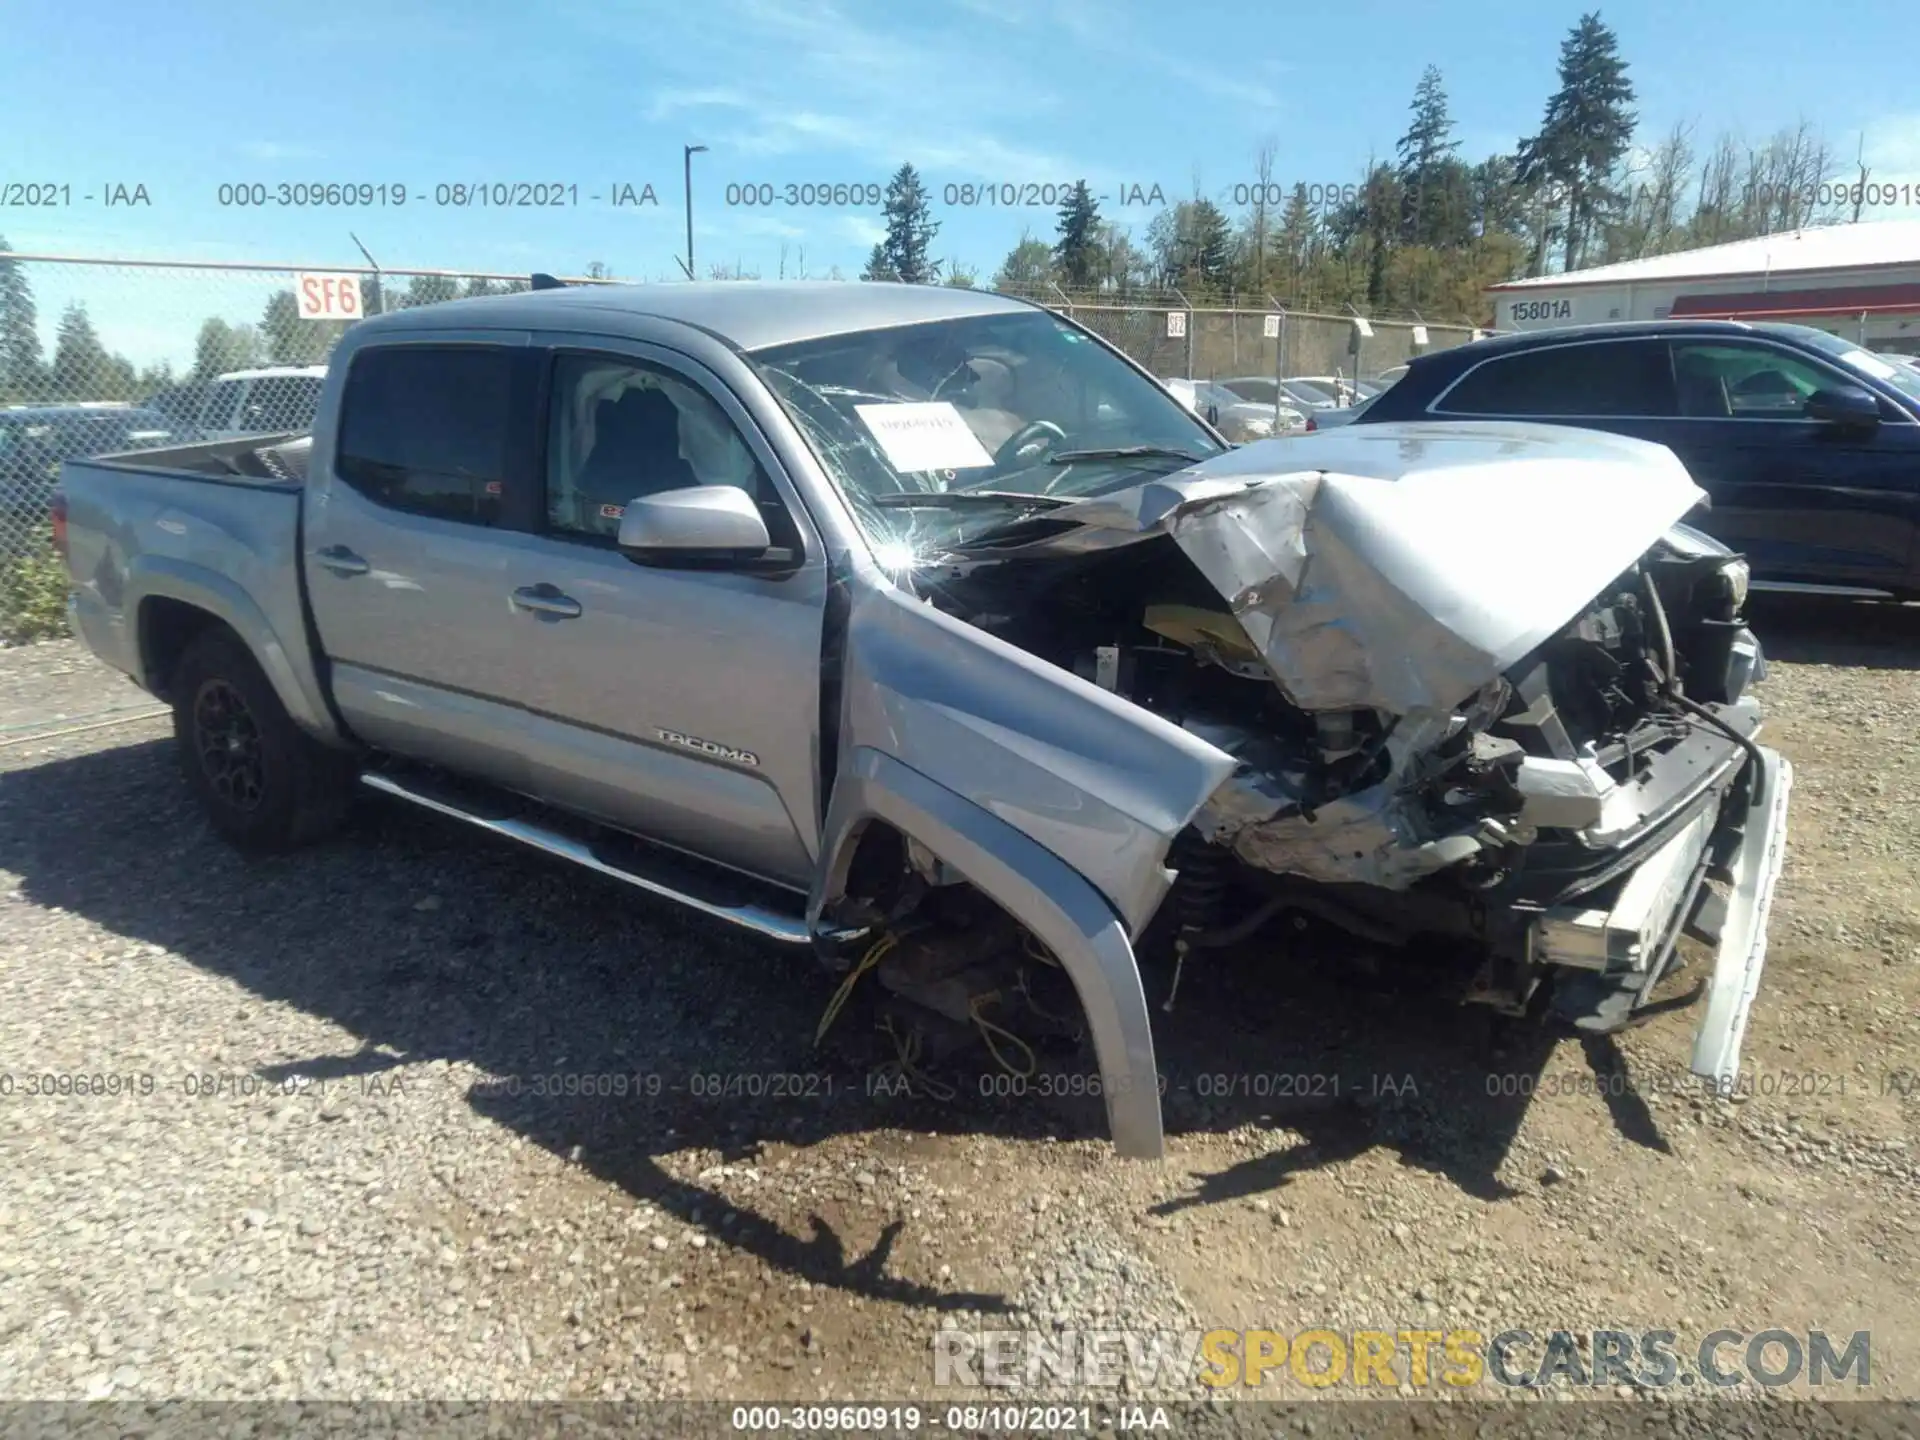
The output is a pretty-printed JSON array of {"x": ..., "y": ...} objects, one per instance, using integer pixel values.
[
  {"x": 818, "y": 79},
  {"x": 274, "y": 150},
  {"x": 1892, "y": 146},
  {"x": 672, "y": 102},
  {"x": 862, "y": 230}
]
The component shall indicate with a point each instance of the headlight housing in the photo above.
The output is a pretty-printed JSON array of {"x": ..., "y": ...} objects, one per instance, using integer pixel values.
[{"x": 1736, "y": 575}]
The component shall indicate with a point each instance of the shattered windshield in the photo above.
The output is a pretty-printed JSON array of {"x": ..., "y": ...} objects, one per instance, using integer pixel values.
[{"x": 941, "y": 431}]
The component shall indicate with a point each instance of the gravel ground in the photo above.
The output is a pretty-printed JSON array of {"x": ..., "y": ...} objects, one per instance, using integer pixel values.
[{"x": 327, "y": 1168}]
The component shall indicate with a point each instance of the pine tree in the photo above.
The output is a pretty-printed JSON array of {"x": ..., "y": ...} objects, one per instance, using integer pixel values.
[
  {"x": 1494, "y": 201},
  {"x": 1422, "y": 153},
  {"x": 1212, "y": 244},
  {"x": 1294, "y": 243},
  {"x": 289, "y": 339},
  {"x": 220, "y": 347},
  {"x": 81, "y": 364},
  {"x": 903, "y": 254},
  {"x": 1588, "y": 126},
  {"x": 21, "y": 374},
  {"x": 1077, "y": 252}
]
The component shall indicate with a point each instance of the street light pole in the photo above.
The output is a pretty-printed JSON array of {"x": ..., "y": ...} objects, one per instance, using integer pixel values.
[{"x": 691, "y": 151}]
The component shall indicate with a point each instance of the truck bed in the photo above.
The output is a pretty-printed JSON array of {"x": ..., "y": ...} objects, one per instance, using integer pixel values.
[
  {"x": 253, "y": 458},
  {"x": 216, "y": 526}
]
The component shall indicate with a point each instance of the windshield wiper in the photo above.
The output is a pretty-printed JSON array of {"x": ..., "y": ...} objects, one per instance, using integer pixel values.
[
  {"x": 1125, "y": 452},
  {"x": 959, "y": 499}
]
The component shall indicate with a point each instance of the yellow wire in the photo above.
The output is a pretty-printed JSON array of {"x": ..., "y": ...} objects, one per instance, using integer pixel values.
[
  {"x": 1036, "y": 951},
  {"x": 906, "y": 1050},
  {"x": 1034, "y": 1005},
  {"x": 875, "y": 954},
  {"x": 988, "y": 1029}
]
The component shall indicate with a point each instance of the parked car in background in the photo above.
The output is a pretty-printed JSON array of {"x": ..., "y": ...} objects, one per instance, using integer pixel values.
[
  {"x": 1240, "y": 420},
  {"x": 1807, "y": 445},
  {"x": 1334, "y": 389},
  {"x": 181, "y": 404},
  {"x": 34, "y": 439},
  {"x": 277, "y": 400},
  {"x": 1390, "y": 376},
  {"x": 1265, "y": 390},
  {"x": 697, "y": 587}
]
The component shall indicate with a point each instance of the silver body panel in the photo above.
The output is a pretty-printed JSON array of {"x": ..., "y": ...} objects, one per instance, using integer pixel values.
[{"x": 693, "y": 706}]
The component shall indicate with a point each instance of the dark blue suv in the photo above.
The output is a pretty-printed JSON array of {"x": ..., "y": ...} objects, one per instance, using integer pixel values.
[{"x": 1807, "y": 445}]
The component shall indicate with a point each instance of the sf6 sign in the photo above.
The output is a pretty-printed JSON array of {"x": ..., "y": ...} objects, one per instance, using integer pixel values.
[{"x": 328, "y": 297}]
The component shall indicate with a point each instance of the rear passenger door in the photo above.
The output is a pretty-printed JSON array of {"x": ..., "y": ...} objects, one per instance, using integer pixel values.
[{"x": 409, "y": 570}]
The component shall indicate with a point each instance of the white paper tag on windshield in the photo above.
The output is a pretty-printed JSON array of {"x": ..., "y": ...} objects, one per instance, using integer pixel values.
[{"x": 924, "y": 436}]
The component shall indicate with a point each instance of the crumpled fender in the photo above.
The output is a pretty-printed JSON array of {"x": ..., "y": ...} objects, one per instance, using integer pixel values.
[
  {"x": 1039, "y": 890},
  {"x": 1054, "y": 798},
  {"x": 1101, "y": 783}
]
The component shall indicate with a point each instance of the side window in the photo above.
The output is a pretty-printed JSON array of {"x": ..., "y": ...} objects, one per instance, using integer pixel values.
[
  {"x": 216, "y": 412},
  {"x": 1744, "y": 382},
  {"x": 620, "y": 429},
  {"x": 1623, "y": 378},
  {"x": 424, "y": 429},
  {"x": 282, "y": 402}
]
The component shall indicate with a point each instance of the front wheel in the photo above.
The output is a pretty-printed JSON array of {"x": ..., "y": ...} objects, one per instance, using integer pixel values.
[{"x": 264, "y": 782}]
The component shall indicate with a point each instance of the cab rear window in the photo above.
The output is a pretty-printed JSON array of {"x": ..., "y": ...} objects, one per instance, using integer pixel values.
[{"x": 424, "y": 429}]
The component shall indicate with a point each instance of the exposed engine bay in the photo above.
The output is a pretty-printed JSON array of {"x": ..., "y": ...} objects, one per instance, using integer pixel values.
[
  {"x": 1329, "y": 795},
  {"x": 1388, "y": 830},
  {"x": 1524, "y": 759}
]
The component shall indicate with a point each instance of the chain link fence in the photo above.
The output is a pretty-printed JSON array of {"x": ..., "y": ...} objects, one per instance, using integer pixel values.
[{"x": 103, "y": 356}]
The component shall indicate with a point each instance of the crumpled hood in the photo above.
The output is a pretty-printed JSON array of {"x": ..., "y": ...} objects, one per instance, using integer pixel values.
[{"x": 1401, "y": 567}]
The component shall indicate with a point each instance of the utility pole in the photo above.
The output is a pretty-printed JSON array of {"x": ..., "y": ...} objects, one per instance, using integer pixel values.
[
  {"x": 691, "y": 151},
  {"x": 1860, "y": 186}
]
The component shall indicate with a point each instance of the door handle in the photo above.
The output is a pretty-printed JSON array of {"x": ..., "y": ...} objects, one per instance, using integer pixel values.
[
  {"x": 545, "y": 599},
  {"x": 341, "y": 561}
]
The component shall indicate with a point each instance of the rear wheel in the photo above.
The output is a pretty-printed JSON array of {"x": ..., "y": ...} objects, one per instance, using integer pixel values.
[{"x": 265, "y": 783}]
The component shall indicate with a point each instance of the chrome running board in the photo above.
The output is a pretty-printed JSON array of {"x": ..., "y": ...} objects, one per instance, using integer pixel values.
[{"x": 708, "y": 895}]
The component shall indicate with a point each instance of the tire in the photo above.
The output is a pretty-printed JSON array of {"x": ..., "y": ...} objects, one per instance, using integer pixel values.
[{"x": 266, "y": 784}]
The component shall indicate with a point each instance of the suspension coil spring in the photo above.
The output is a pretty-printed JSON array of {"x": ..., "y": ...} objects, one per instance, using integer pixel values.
[{"x": 1200, "y": 885}]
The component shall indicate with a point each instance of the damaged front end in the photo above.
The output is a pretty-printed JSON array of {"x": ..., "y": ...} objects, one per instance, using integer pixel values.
[{"x": 1481, "y": 691}]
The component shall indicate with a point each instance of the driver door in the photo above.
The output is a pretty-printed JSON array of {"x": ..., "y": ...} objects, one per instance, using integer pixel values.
[{"x": 680, "y": 704}]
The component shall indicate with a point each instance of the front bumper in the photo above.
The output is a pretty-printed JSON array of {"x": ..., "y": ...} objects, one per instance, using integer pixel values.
[
  {"x": 1619, "y": 942},
  {"x": 1743, "y": 938}
]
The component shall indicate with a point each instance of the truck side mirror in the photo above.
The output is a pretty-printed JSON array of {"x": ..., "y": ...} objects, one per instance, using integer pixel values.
[{"x": 695, "y": 526}]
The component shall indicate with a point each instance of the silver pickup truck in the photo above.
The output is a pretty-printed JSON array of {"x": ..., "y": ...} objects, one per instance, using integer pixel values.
[{"x": 921, "y": 627}]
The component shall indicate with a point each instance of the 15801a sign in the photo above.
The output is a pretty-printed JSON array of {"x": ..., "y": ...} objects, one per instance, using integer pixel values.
[{"x": 1542, "y": 310}]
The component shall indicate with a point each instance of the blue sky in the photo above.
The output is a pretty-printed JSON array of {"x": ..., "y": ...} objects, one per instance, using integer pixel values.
[{"x": 592, "y": 93}]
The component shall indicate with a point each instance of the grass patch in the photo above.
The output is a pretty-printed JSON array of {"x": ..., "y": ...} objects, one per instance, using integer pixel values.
[{"x": 33, "y": 594}]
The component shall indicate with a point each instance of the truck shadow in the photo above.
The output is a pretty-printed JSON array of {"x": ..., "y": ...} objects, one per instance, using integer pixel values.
[
  {"x": 1827, "y": 630},
  {"x": 429, "y": 943}
]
